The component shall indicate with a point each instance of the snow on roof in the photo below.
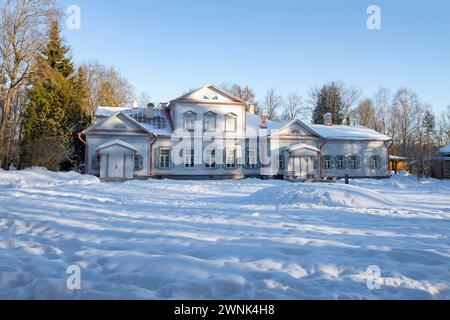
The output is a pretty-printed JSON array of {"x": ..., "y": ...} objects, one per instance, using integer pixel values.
[
  {"x": 116, "y": 142},
  {"x": 159, "y": 125},
  {"x": 254, "y": 122},
  {"x": 445, "y": 149},
  {"x": 301, "y": 146},
  {"x": 110, "y": 111},
  {"x": 397, "y": 158},
  {"x": 341, "y": 132}
]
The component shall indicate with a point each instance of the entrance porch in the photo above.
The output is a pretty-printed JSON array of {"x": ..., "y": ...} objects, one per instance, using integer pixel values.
[{"x": 302, "y": 163}]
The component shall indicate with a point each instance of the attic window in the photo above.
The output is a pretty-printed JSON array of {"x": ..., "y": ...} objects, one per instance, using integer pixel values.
[
  {"x": 210, "y": 96},
  {"x": 120, "y": 126}
]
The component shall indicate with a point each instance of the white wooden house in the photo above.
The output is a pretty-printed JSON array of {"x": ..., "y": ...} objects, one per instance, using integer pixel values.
[{"x": 210, "y": 134}]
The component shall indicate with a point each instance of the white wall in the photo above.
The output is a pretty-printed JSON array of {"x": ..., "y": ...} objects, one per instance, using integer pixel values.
[
  {"x": 140, "y": 142},
  {"x": 364, "y": 149},
  {"x": 179, "y": 109}
]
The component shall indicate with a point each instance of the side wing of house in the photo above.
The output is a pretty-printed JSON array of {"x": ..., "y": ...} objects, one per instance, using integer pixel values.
[
  {"x": 357, "y": 158},
  {"x": 118, "y": 127}
]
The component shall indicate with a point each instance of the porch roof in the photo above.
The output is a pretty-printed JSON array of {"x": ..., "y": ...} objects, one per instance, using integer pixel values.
[
  {"x": 116, "y": 142},
  {"x": 301, "y": 146}
]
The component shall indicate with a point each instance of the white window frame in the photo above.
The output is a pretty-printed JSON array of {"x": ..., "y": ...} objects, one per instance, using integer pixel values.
[
  {"x": 227, "y": 126},
  {"x": 210, "y": 159},
  {"x": 208, "y": 117},
  {"x": 327, "y": 162},
  {"x": 228, "y": 156},
  {"x": 188, "y": 124},
  {"x": 340, "y": 159},
  {"x": 353, "y": 162},
  {"x": 374, "y": 162},
  {"x": 189, "y": 157},
  {"x": 164, "y": 159}
]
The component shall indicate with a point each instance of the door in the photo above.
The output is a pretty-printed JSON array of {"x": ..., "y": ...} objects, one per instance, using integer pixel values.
[{"x": 116, "y": 165}]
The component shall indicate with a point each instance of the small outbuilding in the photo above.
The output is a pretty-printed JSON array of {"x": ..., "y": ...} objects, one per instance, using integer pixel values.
[
  {"x": 116, "y": 160},
  {"x": 397, "y": 164},
  {"x": 441, "y": 163}
]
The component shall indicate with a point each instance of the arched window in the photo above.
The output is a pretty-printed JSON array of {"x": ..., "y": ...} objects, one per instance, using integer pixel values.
[
  {"x": 210, "y": 121},
  {"x": 231, "y": 122},
  {"x": 189, "y": 120}
]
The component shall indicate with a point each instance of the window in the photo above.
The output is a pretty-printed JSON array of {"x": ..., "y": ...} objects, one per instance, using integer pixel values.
[
  {"x": 96, "y": 159},
  {"x": 374, "y": 162},
  {"x": 210, "y": 121},
  {"x": 252, "y": 158},
  {"x": 164, "y": 158},
  {"x": 230, "y": 159},
  {"x": 189, "y": 121},
  {"x": 189, "y": 158},
  {"x": 231, "y": 122},
  {"x": 340, "y": 162},
  {"x": 353, "y": 162},
  {"x": 327, "y": 162},
  {"x": 138, "y": 162},
  {"x": 281, "y": 161},
  {"x": 210, "y": 159}
]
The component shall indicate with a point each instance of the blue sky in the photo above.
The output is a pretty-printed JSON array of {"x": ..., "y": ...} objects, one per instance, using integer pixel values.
[{"x": 168, "y": 47}]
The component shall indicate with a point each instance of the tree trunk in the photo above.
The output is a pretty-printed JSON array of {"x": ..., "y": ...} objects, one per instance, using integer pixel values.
[{"x": 4, "y": 134}]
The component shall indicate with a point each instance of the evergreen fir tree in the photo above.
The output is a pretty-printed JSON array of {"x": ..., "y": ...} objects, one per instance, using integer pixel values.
[
  {"x": 328, "y": 100},
  {"x": 429, "y": 124},
  {"x": 56, "y": 110}
]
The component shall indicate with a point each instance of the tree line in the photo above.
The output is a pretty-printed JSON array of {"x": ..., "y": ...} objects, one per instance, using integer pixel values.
[
  {"x": 45, "y": 100},
  {"x": 416, "y": 130}
]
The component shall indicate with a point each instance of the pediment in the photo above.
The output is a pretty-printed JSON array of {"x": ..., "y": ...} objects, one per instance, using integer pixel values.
[
  {"x": 118, "y": 123},
  {"x": 210, "y": 94},
  {"x": 296, "y": 129}
]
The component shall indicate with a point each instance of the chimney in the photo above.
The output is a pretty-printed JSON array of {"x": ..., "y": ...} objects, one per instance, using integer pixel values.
[
  {"x": 135, "y": 104},
  {"x": 251, "y": 108},
  {"x": 328, "y": 119},
  {"x": 263, "y": 122},
  {"x": 150, "y": 111}
]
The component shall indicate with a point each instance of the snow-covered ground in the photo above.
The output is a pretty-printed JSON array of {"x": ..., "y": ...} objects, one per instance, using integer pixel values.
[{"x": 248, "y": 239}]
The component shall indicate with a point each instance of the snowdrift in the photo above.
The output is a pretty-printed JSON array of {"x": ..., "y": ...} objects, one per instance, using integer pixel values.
[
  {"x": 41, "y": 177},
  {"x": 328, "y": 195}
]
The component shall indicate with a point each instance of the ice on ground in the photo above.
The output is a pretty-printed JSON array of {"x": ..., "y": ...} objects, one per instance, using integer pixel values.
[{"x": 250, "y": 239}]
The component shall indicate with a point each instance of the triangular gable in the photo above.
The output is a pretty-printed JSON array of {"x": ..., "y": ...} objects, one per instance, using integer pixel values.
[
  {"x": 117, "y": 123},
  {"x": 210, "y": 94},
  {"x": 296, "y": 128}
]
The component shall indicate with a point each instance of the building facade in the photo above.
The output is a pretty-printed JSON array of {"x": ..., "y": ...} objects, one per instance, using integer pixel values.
[{"x": 210, "y": 134}]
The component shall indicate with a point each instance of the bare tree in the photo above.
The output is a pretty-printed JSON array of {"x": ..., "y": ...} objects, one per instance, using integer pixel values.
[
  {"x": 107, "y": 86},
  {"x": 364, "y": 114},
  {"x": 406, "y": 116},
  {"x": 271, "y": 104},
  {"x": 381, "y": 101},
  {"x": 443, "y": 128},
  {"x": 23, "y": 32},
  {"x": 144, "y": 99},
  {"x": 294, "y": 107}
]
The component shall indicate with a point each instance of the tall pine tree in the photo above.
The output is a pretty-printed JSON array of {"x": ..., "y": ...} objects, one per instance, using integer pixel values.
[{"x": 57, "y": 109}]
